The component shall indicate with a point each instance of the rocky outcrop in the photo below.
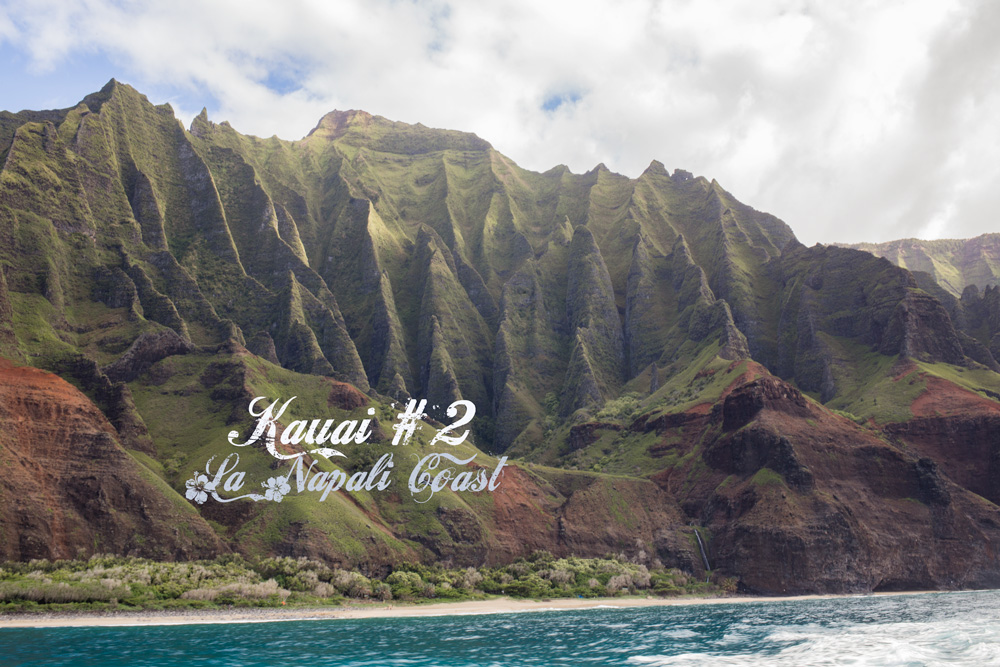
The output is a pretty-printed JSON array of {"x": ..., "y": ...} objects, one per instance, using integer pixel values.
[
  {"x": 144, "y": 352},
  {"x": 584, "y": 435},
  {"x": 921, "y": 329},
  {"x": 747, "y": 401},
  {"x": 747, "y": 451},
  {"x": 113, "y": 398},
  {"x": 262, "y": 345},
  {"x": 978, "y": 315},
  {"x": 835, "y": 300}
]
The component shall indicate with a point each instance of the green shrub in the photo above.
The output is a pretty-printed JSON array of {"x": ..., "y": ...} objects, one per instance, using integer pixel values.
[{"x": 108, "y": 581}]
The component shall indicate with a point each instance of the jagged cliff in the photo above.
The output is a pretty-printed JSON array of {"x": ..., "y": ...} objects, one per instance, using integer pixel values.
[{"x": 653, "y": 343}]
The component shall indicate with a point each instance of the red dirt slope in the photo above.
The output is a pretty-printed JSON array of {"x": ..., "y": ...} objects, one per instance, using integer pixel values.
[{"x": 69, "y": 489}]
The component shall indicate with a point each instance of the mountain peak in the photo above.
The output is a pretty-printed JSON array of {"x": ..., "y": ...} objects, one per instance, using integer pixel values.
[
  {"x": 360, "y": 128},
  {"x": 95, "y": 101},
  {"x": 656, "y": 167},
  {"x": 115, "y": 89},
  {"x": 200, "y": 124},
  {"x": 336, "y": 123}
]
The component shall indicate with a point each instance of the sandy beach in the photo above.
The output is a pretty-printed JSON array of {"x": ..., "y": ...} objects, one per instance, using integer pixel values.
[{"x": 359, "y": 611}]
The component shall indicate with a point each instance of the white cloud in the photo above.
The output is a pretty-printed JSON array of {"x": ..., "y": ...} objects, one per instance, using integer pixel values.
[
  {"x": 861, "y": 120},
  {"x": 7, "y": 29}
]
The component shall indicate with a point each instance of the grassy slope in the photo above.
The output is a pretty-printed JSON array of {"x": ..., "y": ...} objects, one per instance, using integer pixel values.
[{"x": 190, "y": 426}]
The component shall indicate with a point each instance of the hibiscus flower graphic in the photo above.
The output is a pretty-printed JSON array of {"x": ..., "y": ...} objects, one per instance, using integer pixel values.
[
  {"x": 276, "y": 488},
  {"x": 198, "y": 488}
]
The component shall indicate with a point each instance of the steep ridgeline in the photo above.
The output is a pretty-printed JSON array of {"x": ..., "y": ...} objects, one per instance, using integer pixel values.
[
  {"x": 953, "y": 263},
  {"x": 408, "y": 261},
  {"x": 661, "y": 346}
]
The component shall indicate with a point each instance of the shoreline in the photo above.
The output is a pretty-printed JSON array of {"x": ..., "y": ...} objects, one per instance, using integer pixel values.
[{"x": 503, "y": 605}]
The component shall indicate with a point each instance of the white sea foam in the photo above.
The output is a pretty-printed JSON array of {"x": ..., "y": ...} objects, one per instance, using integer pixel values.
[
  {"x": 683, "y": 633},
  {"x": 962, "y": 640}
]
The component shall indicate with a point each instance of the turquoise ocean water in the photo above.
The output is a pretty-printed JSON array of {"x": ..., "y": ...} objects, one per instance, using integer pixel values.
[{"x": 927, "y": 629}]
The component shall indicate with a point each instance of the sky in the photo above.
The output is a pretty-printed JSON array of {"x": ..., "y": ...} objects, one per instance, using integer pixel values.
[{"x": 852, "y": 121}]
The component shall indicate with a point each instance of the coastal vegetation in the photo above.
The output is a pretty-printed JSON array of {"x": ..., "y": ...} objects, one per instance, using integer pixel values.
[{"x": 104, "y": 583}]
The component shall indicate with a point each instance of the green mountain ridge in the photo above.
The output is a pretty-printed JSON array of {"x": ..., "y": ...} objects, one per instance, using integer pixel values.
[
  {"x": 600, "y": 324},
  {"x": 953, "y": 263}
]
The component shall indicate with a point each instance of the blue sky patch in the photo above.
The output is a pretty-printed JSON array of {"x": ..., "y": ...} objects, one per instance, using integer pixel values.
[
  {"x": 553, "y": 102},
  {"x": 283, "y": 81}
]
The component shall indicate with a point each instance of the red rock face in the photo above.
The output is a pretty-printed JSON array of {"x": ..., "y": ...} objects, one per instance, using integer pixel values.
[
  {"x": 345, "y": 396},
  {"x": 641, "y": 518},
  {"x": 70, "y": 490},
  {"x": 961, "y": 431},
  {"x": 799, "y": 500},
  {"x": 582, "y": 435},
  {"x": 746, "y": 401}
]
